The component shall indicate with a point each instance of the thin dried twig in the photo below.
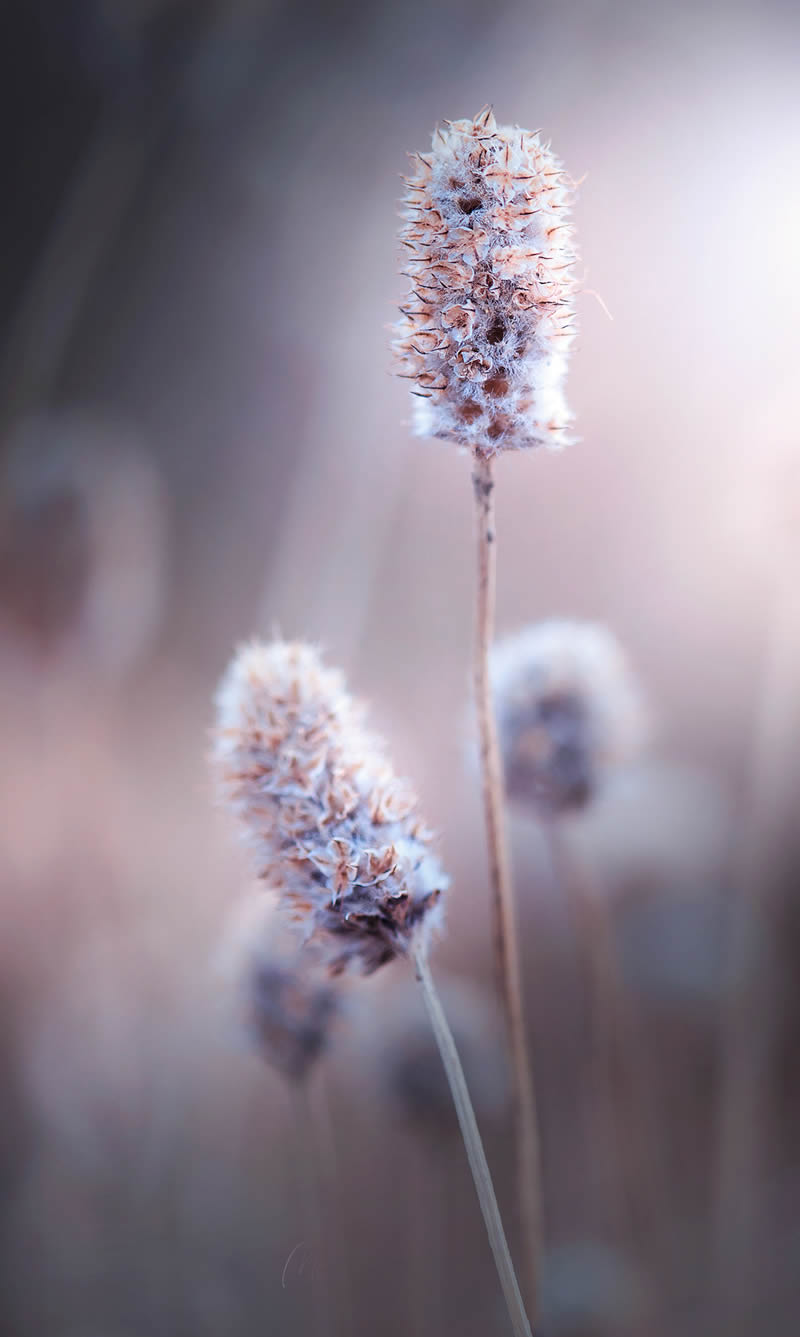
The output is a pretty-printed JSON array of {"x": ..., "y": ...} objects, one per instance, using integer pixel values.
[
  {"x": 507, "y": 962},
  {"x": 749, "y": 1015}
]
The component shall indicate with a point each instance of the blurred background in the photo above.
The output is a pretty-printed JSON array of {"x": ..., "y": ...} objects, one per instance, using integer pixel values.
[{"x": 200, "y": 440}]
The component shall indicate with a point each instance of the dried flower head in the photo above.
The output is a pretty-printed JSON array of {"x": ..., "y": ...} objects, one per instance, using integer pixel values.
[
  {"x": 330, "y": 825},
  {"x": 490, "y": 316},
  {"x": 289, "y": 1013},
  {"x": 567, "y": 709}
]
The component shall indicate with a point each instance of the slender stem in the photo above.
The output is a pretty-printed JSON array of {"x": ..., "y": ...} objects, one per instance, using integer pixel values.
[
  {"x": 749, "y": 1002},
  {"x": 507, "y": 962},
  {"x": 474, "y": 1148},
  {"x": 594, "y": 958}
]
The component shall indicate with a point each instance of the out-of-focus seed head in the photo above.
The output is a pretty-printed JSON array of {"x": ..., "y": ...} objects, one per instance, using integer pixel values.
[
  {"x": 410, "y": 1066},
  {"x": 289, "y": 1011},
  {"x": 490, "y": 317},
  {"x": 83, "y": 542},
  {"x": 330, "y": 825},
  {"x": 568, "y": 708}
]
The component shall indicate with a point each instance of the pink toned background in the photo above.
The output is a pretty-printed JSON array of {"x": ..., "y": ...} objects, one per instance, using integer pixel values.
[{"x": 195, "y": 355}]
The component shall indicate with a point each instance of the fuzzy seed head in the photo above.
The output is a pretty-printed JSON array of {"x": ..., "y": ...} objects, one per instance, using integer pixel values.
[
  {"x": 329, "y": 824},
  {"x": 289, "y": 1014},
  {"x": 567, "y": 708},
  {"x": 490, "y": 317}
]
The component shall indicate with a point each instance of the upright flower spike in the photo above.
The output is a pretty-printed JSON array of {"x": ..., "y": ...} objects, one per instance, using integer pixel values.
[
  {"x": 490, "y": 317},
  {"x": 568, "y": 709},
  {"x": 330, "y": 825},
  {"x": 484, "y": 335}
]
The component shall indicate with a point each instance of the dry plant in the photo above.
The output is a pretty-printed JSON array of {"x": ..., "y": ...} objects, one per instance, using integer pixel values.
[
  {"x": 413, "y": 1084},
  {"x": 289, "y": 1009},
  {"x": 569, "y": 711},
  {"x": 415, "y": 1097},
  {"x": 484, "y": 335},
  {"x": 749, "y": 1001},
  {"x": 342, "y": 843}
]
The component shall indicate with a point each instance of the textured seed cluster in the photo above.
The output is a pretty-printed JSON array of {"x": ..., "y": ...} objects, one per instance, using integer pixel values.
[
  {"x": 331, "y": 827},
  {"x": 490, "y": 317},
  {"x": 568, "y": 709}
]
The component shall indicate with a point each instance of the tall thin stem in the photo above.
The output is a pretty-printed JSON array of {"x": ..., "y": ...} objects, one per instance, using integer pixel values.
[
  {"x": 474, "y": 1148},
  {"x": 749, "y": 1002},
  {"x": 507, "y": 962}
]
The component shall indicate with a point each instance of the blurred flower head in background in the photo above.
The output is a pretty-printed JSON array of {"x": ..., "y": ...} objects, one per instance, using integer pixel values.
[
  {"x": 409, "y": 1064},
  {"x": 83, "y": 542},
  {"x": 200, "y": 441},
  {"x": 290, "y": 1013},
  {"x": 568, "y": 710}
]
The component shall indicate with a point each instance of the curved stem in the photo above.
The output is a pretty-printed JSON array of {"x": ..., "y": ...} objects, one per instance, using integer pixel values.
[
  {"x": 474, "y": 1148},
  {"x": 507, "y": 962}
]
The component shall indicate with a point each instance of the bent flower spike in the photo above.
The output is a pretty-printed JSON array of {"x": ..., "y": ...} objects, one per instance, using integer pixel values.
[
  {"x": 490, "y": 317},
  {"x": 568, "y": 709},
  {"x": 330, "y": 825}
]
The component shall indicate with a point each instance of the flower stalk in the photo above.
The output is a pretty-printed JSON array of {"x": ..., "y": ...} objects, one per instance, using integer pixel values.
[
  {"x": 474, "y": 1148},
  {"x": 506, "y": 951},
  {"x": 342, "y": 843}
]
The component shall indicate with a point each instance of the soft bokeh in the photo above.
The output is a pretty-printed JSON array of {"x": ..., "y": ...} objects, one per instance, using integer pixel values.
[{"x": 200, "y": 440}]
